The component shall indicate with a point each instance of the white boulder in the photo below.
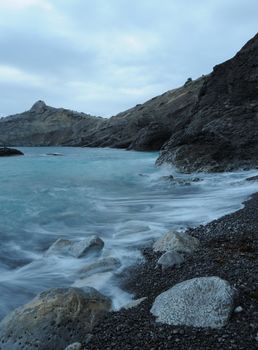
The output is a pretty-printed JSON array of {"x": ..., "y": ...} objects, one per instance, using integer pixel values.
[
  {"x": 199, "y": 302},
  {"x": 176, "y": 241}
]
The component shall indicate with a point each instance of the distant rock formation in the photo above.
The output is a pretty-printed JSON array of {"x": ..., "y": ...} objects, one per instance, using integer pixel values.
[
  {"x": 7, "y": 152},
  {"x": 209, "y": 124},
  {"x": 43, "y": 125}
]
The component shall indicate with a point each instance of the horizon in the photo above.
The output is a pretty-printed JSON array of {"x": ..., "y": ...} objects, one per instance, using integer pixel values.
[{"x": 102, "y": 59}]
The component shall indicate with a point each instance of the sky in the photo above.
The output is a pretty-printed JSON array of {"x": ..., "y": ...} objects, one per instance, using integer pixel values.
[{"x": 104, "y": 56}]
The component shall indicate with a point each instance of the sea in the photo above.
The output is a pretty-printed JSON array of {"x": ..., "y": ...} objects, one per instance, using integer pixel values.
[{"x": 118, "y": 195}]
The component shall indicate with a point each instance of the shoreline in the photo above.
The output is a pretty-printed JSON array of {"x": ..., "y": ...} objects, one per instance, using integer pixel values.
[{"x": 228, "y": 249}]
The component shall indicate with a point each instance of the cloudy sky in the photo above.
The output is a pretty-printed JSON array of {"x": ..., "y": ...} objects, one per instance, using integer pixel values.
[{"x": 104, "y": 56}]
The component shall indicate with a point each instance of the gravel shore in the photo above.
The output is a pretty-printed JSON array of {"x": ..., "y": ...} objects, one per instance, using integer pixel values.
[{"x": 229, "y": 249}]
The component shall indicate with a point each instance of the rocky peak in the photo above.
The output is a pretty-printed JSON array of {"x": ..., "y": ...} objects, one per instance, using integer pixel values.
[
  {"x": 251, "y": 44},
  {"x": 38, "y": 107}
]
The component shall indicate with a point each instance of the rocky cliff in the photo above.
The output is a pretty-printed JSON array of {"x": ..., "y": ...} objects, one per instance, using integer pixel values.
[
  {"x": 222, "y": 133},
  {"x": 209, "y": 124}
]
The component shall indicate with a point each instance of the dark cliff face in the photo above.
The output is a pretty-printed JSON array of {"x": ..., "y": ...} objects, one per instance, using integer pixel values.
[
  {"x": 223, "y": 131},
  {"x": 210, "y": 124}
]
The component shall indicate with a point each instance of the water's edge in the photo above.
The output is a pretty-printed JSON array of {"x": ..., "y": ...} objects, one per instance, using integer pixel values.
[{"x": 119, "y": 195}]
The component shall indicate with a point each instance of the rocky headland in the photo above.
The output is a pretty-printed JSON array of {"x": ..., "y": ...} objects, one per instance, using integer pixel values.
[{"x": 209, "y": 124}]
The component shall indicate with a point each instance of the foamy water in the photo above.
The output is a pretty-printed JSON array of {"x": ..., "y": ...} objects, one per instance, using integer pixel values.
[{"x": 115, "y": 194}]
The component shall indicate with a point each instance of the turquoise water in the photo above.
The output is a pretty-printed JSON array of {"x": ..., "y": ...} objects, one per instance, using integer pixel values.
[{"x": 115, "y": 194}]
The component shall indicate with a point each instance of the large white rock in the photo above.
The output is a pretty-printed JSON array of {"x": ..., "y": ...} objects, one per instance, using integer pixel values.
[
  {"x": 176, "y": 241},
  {"x": 199, "y": 302}
]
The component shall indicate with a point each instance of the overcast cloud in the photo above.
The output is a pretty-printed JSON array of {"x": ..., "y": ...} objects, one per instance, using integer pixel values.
[{"x": 104, "y": 56}]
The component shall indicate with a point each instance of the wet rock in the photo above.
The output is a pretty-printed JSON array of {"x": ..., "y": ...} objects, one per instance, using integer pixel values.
[
  {"x": 167, "y": 178},
  {"x": 252, "y": 178},
  {"x": 102, "y": 265},
  {"x": 55, "y": 154},
  {"x": 59, "y": 247},
  {"x": 54, "y": 319},
  {"x": 176, "y": 181},
  {"x": 8, "y": 152},
  {"x": 176, "y": 241},
  {"x": 199, "y": 302},
  {"x": 77, "y": 249},
  {"x": 88, "y": 245},
  {"x": 170, "y": 259}
]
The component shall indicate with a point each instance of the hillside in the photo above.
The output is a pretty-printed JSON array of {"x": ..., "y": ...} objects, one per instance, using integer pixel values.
[{"x": 209, "y": 124}]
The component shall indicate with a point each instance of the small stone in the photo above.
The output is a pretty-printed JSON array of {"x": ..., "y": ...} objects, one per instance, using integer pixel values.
[{"x": 238, "y": 309}]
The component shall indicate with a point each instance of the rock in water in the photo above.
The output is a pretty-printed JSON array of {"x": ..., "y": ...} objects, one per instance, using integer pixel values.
[
  {"x": 53, "y": 320},
  {"x": 199, "y": 302},
  {"x": 59, "y": 247},
  {"x": 176, "y": 241},
  {"x": 88, "y": 245},
  {"x": 253, "y": 178},
  {"x": 7, "y": 152},
  {"x": 102, "y": 265},
  {"x": 77, "y": 249}
]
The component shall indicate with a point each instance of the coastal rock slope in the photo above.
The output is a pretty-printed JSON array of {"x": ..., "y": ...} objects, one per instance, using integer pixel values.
[
  {"x": 209, "y": 124},
  {"x": 223, "y": 130}
]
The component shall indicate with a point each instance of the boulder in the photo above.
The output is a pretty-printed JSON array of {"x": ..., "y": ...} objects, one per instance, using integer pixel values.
[
  {"x": 59, "y": 247},
  {"x": 77, "y": 249},
  {"x": 176, "y": 241},
  {"x": 252, "y": 178},
  {"x": 102, "y": 265},
  {"x": 53, "y": 320},
  {"x": 170, "y": 259},
  {"x": 88, "y": 245},
  {"x": 7, "y": 152},
  {"x": 199, "y": 302}
]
